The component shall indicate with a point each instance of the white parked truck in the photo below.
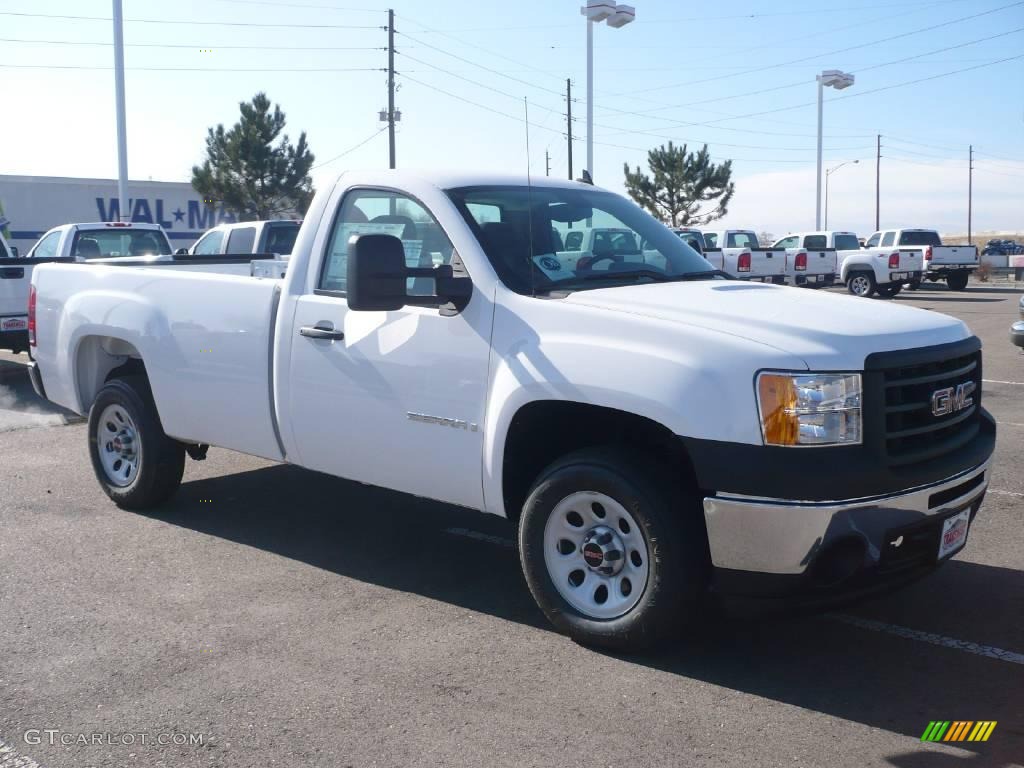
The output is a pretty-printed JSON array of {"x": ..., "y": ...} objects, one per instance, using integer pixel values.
[
  {"x": 952, "y": 263},
  {"x": 811, "y": 256},
  {"x": 737, "y": 252},
  {"x": 883, "y": 271},
  {"x": 274, "y": 236},
  {"x": 655, "y": 429}
]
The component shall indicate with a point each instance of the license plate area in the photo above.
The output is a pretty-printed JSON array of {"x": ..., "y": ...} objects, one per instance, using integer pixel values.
[
  {"x": 954, "y": 534},
  {"x": 899, "y": 275},
  {"x": 14, "y": 324},
  {"x": 920, "y": 544}
]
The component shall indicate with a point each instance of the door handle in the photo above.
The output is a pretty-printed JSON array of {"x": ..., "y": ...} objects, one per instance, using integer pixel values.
[{"x": 316, "y": 332}]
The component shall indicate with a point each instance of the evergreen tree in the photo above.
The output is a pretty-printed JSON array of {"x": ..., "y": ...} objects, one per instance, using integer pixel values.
[
  {"x": 682, "y": 182},
  {"x": 251, "y": 175}
]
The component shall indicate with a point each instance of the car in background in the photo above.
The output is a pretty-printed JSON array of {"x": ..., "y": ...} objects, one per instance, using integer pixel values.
[
  {"x": 811, "y": 256},
  {"x": 952, "y": 263},
  {"x": 1017, "y": 329},
  {"x": 102, "y": 240},
  {"x": 692, "y": 237},
  {"x": 738, "y": 252},
  {"x": 7, "y": 251},
  {"x": 274, "y": 236}
]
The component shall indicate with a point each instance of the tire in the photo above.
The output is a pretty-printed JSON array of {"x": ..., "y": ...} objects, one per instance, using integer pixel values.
[
  {"x": 136, "y": 463},
  {"x": 913, "y": 285},
  {"x": 957, "y": 281},
  {"x": 663, "y": 544},
  {"x": 890, "y": 291},
  {"x": 861, "y": 284}
]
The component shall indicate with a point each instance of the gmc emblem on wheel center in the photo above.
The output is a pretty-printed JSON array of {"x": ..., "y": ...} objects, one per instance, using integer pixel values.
[{"x": 952, "y": 399}]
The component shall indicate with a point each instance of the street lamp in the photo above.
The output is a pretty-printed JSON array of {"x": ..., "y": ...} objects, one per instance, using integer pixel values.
[
  {"x": 838, "y": 80},
  {"x": 828, "y": 173},
  {"x": 616, "y": 16}
]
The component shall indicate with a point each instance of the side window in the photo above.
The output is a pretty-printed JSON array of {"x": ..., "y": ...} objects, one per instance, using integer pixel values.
[
  {"x": 816, "y": 242},
  {"x": 47, "y": 247},
  {"x": 209, "y": 244},
  {"x": 888, "y": 238},
  {"x": 281, "y": 239},
  {"x": 372, "y": 211},
  {"x": 241, "y": 240},
  {"x": 788, "y": 242},
  {"x": 873, "y": 240},
  {"x": 574, "y": 240},
  {"x": 711, "y": 239}
]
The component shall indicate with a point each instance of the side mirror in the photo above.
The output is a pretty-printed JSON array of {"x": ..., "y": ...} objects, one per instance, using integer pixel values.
[
  {"x": 181, "y": 252},
  {"x": 14, "y": 251},
  {"x": 377, "y": 275}
]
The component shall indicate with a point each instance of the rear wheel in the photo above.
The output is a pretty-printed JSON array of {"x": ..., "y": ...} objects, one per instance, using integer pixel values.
[
  {"x": 137, "y": 464},
  {"x": 613, "y": 548},
  {"x": 957, "y": 281},
  {"x": 861, "y": 284},
  {"x": 913, "y": 285},
  {"x": 889, "y": 291}
]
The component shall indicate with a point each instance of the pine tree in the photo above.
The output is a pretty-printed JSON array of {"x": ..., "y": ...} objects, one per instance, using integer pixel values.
[
  {"x": 682, "y": 182},
  {"x": 250, "y": 175}
]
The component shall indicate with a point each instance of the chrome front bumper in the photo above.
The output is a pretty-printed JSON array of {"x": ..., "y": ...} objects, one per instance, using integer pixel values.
[{"x": 783, "y": 536}]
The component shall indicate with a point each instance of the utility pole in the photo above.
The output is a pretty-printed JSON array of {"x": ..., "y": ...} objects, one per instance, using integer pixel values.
[
  {"x": 970, "y": 190},
  {"x": 568, "y": 105},
  {"x": 878, "y": 176},
  {"x": 122, "y": 132},
  {"x": 391, "y": 87},
  {"x": 547, "y": 163}
]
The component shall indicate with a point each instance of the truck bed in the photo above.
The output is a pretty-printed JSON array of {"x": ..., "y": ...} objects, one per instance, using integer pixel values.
[{"x": 206, "y": 340}]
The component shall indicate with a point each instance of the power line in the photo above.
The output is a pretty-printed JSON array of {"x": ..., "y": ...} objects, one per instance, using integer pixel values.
[
  {"x": 351, "y": 149},
  {"x": 302, "y": 5},
  {"x": 195, "y": 23},
  {"x": 191, "y": 69},
  {"x": 832, "y": 53},
  {"x": 201, "y": 46}
]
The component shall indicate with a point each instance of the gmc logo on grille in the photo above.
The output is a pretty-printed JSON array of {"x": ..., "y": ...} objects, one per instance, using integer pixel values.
[{"x": 952, "y": 399}]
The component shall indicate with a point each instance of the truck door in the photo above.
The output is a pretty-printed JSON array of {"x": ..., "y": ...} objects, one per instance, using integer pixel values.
[{"x": 395, "y": 398}]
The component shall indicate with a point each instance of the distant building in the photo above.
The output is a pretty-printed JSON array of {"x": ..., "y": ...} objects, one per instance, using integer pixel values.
[{"x": 30, "y": 205}]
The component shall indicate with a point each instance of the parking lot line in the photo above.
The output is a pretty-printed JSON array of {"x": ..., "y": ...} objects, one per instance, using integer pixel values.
[
  {"x": 1004, "y": 493},
  {"x": 997, "y": 381},
  {"x": 989, "y": 651}
]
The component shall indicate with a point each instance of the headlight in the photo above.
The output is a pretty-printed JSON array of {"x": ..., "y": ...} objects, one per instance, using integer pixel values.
[{"x": 809, "y": 408}]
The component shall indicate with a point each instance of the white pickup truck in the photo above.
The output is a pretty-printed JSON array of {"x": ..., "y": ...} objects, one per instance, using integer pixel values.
[
  {"x": 272, "y": 236},
  {"x": 655, "y": 430},
  {"x": 811, "y": 256},
  {"x": 867, "y": 271},
  {"x": 737, "y": 252},
  {"x": 952, "y": 263}
]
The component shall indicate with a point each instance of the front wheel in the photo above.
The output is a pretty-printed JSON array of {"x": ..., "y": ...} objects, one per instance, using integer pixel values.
[
  {"x": 957, "y": 281},
  {"x": 614, "y": 550},
  {"x": 137, "y": 464},
  {"x": 861, "y": 284}
]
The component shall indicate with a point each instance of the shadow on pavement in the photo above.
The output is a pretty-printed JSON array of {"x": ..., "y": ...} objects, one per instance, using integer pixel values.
[
  {"x": 20, "y": 406},
  {"x": 814, "y": 662}
]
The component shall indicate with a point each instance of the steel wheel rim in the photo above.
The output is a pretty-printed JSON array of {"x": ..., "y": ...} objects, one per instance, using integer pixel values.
[
  {"x": 860, "y": 285},
  {"x": 118, "y": 445},
  {"x": 605, "y": 589}
]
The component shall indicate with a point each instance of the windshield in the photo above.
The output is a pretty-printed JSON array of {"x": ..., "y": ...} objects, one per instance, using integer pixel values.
[
  {"x": 919, "y": 237},
  {"x": 846, "y": 242},
  {"x": 120, "y": 241},
  {"x": 546, "y": 238}
]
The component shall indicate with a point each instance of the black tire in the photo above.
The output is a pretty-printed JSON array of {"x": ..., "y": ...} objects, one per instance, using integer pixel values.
[
  {"x": 162, "y": 460},
  {"x": 671, "y": 521},
  {"x": 890, "y": 291},
  {"x": 913, "y": 285},
  {"x": 957, "y": 281},
  {"x": 854, "y": 283}
]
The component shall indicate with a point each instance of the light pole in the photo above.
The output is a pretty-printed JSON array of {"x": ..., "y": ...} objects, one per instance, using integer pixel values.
[
  {"x": 122, "y": 141},
  {"x": 828, "y": 173},
  {"x": 838, "y": 80},
  {"x": 616, "y": 16}
]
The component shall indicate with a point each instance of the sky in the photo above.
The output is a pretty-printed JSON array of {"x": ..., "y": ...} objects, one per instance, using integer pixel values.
[{"x": 736, "y": 74}]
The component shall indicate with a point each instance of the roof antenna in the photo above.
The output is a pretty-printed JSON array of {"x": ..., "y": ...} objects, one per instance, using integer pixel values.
[{"x": 529, "y": 199}]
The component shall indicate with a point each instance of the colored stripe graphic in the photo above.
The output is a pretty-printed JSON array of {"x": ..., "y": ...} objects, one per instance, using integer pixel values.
[{"x": 958, "y": 730}]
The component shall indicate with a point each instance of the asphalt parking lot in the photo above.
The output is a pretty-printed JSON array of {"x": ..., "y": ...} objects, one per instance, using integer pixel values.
[{"x": 289, "y": 618}]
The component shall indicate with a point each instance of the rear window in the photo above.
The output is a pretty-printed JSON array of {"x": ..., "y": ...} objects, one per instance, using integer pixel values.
[
  {"x": 846, "y": 242},
  {"x": 281, "y": 238},
  {"x": 919, "y": 237},
  {"x": 741, "y": 240},
  {"x": 122, "y": 241},
  {"x": 816, "y": 242}
]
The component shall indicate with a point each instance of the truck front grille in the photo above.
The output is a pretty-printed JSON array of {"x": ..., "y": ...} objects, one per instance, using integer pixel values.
[{"x": 913, "y": 433}]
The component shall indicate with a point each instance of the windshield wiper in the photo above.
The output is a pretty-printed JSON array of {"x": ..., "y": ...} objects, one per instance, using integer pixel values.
[
  {"x": 706, "y": 275},
  {"x": 654, "y": 274}
]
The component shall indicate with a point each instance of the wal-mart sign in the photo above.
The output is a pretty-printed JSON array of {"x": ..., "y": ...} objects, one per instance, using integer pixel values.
[{"x": 30, "y": 205}]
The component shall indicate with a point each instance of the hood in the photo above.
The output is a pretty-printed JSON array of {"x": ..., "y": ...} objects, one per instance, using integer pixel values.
[{"x": 827, "y": 331}]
